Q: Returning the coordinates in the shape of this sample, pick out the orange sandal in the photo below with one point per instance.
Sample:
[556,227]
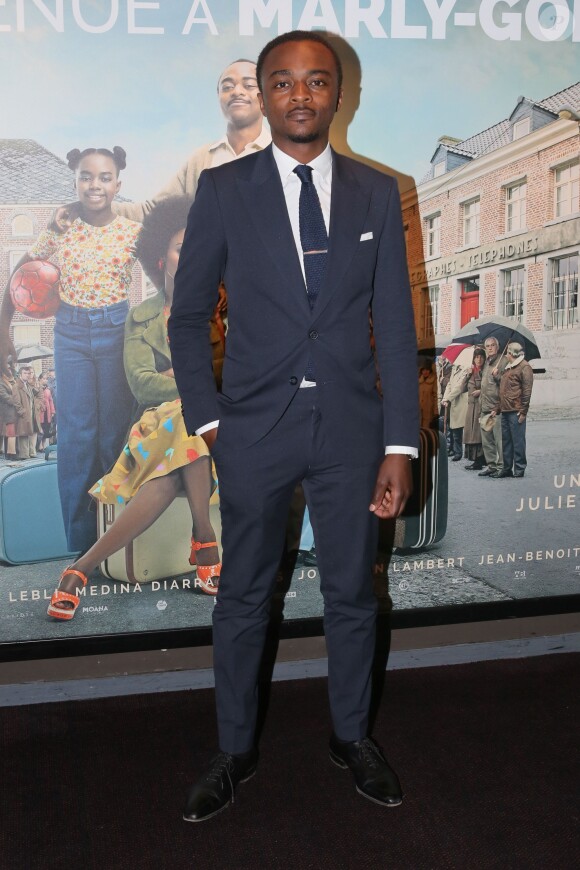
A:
[60,595]
[206,573]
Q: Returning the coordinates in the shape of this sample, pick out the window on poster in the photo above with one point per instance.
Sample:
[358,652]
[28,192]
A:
[471,222]
[563,293]
[433,235]
[515,207]
[567,189]
[14,257]
[513,293]
[22,225]
[430,311]
[521,128]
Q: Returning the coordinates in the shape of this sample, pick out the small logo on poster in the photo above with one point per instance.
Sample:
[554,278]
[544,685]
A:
[161,604]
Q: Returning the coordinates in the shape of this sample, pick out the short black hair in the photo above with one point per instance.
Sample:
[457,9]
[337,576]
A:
[231,63]
[159,227]
[297,36]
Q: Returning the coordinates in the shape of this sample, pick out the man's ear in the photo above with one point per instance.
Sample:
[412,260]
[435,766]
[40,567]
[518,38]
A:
[261,102]
[339,99]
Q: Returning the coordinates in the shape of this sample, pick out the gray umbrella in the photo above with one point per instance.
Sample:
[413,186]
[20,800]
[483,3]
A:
[29,352]
[502,328]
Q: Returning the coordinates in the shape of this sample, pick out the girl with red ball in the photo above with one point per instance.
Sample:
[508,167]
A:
[95,256]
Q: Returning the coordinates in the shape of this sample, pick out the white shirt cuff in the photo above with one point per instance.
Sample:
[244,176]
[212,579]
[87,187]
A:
[411,452]
[205,428]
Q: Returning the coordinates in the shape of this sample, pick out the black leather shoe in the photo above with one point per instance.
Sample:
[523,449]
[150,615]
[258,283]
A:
[518,473]
[215,791]
[475,466]
[374,778]
[489,472]
[505,472]
[457,458]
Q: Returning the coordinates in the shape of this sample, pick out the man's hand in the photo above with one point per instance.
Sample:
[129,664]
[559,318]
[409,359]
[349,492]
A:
[521,418]
[63,217]
[209,437]
[393,487]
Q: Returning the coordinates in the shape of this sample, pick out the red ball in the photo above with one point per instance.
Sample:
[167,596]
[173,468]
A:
[34,289]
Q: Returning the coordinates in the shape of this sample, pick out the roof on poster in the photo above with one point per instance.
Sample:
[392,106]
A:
[31,173]
[501,133]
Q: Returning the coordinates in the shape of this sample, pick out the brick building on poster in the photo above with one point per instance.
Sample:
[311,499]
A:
[33,182]
[499,233]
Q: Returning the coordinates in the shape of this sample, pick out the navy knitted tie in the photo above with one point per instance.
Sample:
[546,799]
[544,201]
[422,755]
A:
[313,235]
[314,241]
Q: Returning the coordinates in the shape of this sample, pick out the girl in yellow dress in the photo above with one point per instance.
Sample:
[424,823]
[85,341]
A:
[160,459]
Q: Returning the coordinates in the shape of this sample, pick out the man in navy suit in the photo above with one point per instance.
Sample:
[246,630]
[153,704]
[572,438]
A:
[311,247]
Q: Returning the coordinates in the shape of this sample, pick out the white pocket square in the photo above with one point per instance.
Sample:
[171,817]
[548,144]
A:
[366,236]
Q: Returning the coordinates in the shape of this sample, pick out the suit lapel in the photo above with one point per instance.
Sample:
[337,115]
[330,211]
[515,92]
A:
[348,209]
[262,191]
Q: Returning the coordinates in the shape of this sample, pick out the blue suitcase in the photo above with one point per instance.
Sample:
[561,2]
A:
[31,526]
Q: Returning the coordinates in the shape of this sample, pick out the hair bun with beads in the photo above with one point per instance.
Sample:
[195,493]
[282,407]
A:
[73,158]
[120,156]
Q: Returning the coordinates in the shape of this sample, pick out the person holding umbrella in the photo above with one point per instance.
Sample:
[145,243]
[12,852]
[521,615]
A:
[515,391]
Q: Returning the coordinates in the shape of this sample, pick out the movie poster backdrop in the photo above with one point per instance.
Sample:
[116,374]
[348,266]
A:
[474,106]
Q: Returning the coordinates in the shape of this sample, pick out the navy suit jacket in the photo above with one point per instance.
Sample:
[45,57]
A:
[239,231]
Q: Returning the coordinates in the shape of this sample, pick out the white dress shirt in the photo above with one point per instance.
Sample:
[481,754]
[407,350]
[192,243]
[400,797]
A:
[291,185]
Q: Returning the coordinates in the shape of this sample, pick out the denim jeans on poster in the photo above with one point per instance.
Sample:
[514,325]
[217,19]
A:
[94,408]
[513,436]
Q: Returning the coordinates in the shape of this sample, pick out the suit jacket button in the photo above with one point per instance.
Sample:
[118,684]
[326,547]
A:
[293,380]
[313,334]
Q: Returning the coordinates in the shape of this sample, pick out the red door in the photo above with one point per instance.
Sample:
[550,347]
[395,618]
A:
[469,299]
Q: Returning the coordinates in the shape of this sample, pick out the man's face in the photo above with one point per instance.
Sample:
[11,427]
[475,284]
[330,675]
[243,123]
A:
[300,93]
[490,349]
[238,94]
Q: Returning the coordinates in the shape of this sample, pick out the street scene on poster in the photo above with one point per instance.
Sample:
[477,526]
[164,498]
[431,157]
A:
[111,111]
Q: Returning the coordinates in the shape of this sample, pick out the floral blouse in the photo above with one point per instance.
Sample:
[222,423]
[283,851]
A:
[95,262]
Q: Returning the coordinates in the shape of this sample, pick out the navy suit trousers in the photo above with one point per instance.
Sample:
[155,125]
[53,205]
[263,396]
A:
[256,485]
